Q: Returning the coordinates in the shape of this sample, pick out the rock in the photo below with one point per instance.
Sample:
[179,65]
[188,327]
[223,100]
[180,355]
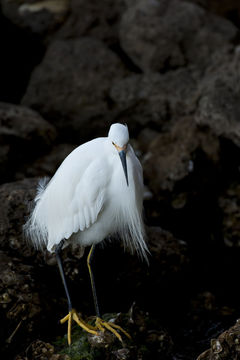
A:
[170,253]
[154,99]
[15,198]
[27,296]
[24,135]
[219,100]
[154,340]
[230,9]
[170,156]
[46,165]
[225,347]
[158,36]
[38,16]
[168,261]
[19,302]
[92,18]
[73,94]
[229,204]
[41,350]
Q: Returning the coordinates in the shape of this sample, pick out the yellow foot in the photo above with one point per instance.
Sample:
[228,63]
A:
[110,326]
[73,316]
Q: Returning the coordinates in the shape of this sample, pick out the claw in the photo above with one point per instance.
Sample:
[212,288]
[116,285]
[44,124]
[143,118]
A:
[73,316]
[102,325]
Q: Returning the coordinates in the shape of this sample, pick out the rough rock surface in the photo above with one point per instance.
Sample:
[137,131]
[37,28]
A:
[229,204]
[24,134]
[219,99]
[170,157]
[46,165]
[151,99]
[158,35]
[39,17]
[166,250]
[15,198]
[97,19]
[72,92]
[155,341]
[19,300]
[225,347]
[229,9]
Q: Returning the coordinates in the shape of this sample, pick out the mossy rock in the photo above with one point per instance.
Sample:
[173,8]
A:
[86,346]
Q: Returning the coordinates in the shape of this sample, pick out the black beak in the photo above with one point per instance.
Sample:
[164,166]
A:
[122,155]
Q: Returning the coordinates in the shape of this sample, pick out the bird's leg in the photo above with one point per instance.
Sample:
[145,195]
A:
[72,314]
[101,324]
[89,261]
[59,261]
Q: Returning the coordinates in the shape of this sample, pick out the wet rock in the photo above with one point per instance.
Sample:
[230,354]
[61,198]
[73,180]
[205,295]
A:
[154,99]
[159,36]
[73,94]
[92,18]
[24,135]
[39,16]
[226,346]
[218,105]
[229,204]
[170,156]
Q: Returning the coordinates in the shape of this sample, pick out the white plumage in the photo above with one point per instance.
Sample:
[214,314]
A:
[88,198]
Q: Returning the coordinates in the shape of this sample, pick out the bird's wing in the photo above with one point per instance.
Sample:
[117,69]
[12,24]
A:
[88,198]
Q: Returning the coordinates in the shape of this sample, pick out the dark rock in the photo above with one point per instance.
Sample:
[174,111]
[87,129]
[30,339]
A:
[230,9]
[40,17]
[19,301]
[229,204]
[157,35]
[170,253]
[225,347]
[153,339]
[219,99]
[46,165]
[41,350]
[92,18]
[170,156]
[168,261]
[73,94]
[24,135]
[153,99]
[15,198]
[21,51]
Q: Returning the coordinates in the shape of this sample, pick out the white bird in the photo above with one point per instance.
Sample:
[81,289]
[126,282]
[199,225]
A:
[96,192]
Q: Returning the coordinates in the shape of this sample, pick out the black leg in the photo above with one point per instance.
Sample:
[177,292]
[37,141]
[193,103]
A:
[89,261]
[59,261]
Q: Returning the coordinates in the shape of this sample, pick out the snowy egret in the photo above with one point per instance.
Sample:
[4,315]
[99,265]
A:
[92,196]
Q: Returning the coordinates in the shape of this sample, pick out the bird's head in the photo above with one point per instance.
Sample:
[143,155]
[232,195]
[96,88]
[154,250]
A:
[119,137]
